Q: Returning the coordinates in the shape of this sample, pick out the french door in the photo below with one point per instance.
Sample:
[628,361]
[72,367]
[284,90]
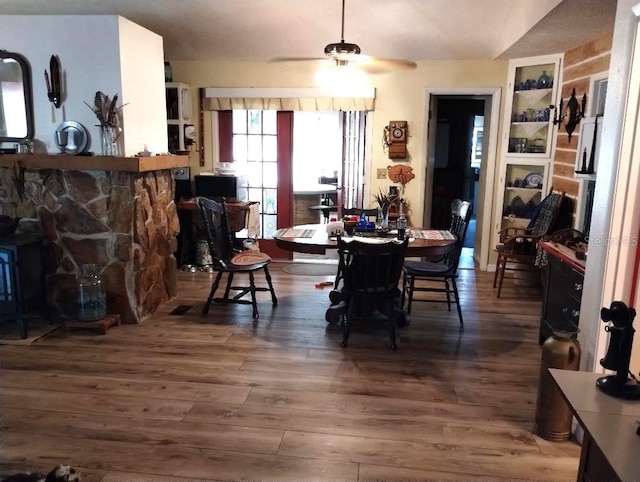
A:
[351,187]
[261,145]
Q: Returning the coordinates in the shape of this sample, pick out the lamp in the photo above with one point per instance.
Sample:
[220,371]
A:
[336,76]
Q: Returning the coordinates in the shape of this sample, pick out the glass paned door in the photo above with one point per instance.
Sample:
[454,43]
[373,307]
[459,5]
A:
[261,150]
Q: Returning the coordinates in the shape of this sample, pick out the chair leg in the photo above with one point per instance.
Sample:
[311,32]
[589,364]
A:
[495,275]
[412,282]
[457,299]
[503,267]
[346,325]
[228,288]
[214,287]
[274,300]
[252,289]
[447,291]
[391,316]
[403,294]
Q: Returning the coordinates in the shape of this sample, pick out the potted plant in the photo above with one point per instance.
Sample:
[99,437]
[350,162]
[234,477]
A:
[385,202]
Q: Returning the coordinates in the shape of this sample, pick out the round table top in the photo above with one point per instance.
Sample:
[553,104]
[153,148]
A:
[313,239]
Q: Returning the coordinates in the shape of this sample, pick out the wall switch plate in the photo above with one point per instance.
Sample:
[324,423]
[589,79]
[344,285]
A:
[382,173]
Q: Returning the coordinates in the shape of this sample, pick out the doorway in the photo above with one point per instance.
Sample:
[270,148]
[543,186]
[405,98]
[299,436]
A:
[461,159]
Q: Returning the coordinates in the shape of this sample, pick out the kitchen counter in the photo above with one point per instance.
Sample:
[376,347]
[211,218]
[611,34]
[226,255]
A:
[611,448]
[314,189]
[308,205]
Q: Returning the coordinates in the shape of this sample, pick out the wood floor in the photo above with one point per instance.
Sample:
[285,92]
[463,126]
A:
[186,397]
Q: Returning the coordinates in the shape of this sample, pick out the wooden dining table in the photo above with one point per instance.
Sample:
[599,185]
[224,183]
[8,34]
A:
[314,239]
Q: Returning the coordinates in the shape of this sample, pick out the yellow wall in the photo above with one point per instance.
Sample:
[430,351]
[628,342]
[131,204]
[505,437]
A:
[400,95]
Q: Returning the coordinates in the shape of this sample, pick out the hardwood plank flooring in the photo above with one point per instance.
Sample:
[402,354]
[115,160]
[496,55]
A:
[181,398]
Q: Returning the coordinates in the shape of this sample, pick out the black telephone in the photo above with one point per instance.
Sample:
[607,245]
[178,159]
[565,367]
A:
[618,356]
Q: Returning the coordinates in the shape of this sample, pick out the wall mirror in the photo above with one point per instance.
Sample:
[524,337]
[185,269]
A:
[16,101]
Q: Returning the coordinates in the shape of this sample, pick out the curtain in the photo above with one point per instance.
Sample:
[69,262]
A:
[289,99]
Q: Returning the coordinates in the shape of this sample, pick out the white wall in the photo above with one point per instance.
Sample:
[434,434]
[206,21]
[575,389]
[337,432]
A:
[608,273]
[96,52]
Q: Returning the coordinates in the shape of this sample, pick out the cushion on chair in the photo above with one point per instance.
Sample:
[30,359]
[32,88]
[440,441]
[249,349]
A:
[427,268]
[250,257]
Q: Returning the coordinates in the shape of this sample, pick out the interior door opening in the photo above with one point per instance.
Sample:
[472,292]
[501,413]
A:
[461,161]
[458,159]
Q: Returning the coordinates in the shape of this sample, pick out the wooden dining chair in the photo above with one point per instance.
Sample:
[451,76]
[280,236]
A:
[229,261]
[371,273]
[443,270]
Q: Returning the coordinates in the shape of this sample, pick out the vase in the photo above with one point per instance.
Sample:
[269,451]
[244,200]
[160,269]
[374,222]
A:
[91,294]
[553,416]
[109,140]
[544,81]
[382,220]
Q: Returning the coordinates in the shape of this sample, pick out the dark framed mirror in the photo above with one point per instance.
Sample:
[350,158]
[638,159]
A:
[16,100]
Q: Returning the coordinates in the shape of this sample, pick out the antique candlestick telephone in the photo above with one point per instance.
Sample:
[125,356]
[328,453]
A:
[618,356]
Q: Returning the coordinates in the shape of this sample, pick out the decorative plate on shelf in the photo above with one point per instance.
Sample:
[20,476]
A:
[533,179]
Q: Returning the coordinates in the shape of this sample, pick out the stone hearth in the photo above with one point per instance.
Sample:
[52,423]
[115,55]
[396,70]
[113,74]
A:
[126,222]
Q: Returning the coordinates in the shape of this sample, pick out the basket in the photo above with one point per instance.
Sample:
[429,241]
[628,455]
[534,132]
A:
[237,215]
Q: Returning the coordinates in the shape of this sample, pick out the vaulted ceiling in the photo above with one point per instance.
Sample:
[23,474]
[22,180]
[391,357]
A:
[408,29]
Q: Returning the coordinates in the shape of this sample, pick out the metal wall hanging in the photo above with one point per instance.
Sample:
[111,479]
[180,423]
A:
[53,79]
[575,111]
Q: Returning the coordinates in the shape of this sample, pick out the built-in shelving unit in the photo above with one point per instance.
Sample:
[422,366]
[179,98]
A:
[528,141]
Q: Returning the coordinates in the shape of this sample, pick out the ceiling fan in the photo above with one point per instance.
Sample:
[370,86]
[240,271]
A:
[345,53]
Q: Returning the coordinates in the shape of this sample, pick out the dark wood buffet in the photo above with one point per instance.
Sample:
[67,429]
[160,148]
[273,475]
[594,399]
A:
[562,289]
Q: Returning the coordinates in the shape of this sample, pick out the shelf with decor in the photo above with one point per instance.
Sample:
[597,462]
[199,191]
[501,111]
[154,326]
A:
[527,145]
[530,110]
[180,130]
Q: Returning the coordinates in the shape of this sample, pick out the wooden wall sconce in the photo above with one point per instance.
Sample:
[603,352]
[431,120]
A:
[575,111]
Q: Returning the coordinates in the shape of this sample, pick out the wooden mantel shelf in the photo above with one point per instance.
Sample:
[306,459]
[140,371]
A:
[94,163]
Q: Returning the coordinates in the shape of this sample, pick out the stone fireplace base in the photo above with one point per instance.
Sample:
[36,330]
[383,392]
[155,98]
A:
[125,221]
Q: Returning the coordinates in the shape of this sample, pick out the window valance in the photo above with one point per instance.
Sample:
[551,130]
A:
[289,99]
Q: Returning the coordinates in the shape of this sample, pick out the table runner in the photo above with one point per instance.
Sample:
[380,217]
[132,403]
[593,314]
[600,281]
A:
[298,233]
[432,234]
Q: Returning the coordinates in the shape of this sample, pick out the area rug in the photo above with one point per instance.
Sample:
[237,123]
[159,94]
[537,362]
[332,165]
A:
[311,269]
[37,329]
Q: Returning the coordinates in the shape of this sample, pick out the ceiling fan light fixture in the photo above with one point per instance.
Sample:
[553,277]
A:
[341,48]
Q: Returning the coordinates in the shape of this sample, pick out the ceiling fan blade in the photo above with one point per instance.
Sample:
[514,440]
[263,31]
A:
[380,66]
[297,59]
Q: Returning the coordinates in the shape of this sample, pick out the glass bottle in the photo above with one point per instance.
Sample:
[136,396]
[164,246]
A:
[91,296]
[401,224]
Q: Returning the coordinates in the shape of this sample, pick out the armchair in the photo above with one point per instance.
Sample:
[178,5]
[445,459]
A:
[518,247]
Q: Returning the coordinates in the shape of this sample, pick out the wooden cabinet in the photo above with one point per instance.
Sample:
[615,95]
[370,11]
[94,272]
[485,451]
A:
[528,136]
[562,294]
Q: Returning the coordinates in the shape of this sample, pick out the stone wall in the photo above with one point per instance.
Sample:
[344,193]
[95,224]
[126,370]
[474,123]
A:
[126,222]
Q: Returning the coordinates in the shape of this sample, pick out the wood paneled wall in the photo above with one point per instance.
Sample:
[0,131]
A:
[579,65]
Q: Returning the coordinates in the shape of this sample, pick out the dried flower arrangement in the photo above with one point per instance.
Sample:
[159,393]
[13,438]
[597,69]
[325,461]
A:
[384,199]
[105,109]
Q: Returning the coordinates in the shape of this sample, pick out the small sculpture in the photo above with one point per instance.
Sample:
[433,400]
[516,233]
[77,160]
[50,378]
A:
[400,173]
